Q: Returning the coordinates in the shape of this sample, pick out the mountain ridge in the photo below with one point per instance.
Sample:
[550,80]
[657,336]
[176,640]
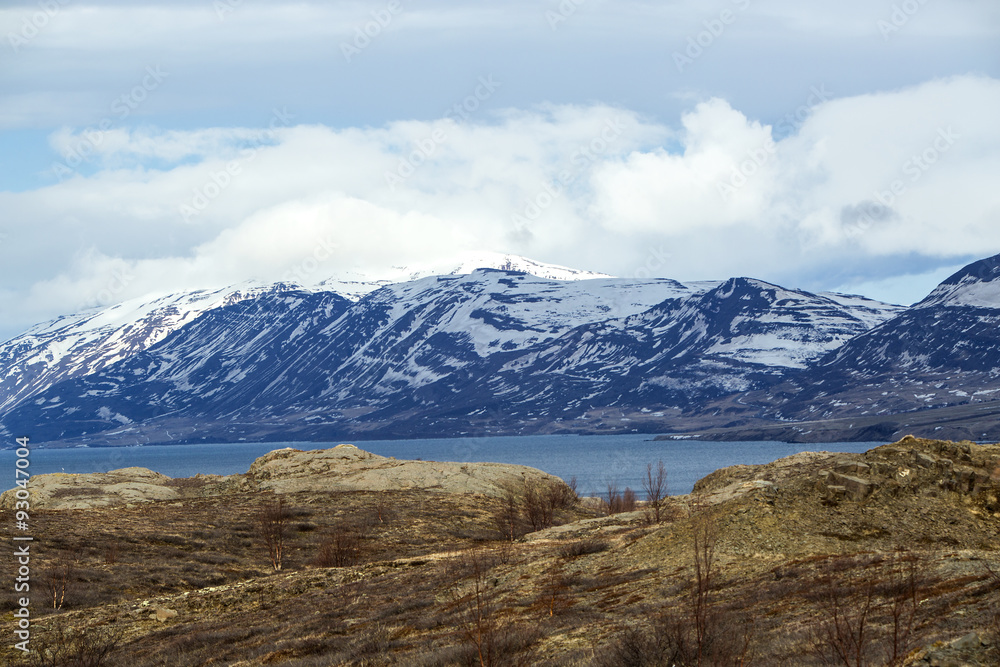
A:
[498,351]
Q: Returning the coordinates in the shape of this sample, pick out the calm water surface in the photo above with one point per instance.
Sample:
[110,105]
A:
[594,460]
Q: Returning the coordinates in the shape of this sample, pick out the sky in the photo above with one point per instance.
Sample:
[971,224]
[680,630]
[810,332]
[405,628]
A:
[148,147]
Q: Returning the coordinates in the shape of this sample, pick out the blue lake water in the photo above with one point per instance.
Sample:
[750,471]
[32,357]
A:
[594,460]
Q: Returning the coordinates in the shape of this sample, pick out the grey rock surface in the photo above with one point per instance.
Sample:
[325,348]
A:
[342,468]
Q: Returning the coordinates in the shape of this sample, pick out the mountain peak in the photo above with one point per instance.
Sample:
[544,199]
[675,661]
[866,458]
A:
[977,286]
[355,284]
[506,262]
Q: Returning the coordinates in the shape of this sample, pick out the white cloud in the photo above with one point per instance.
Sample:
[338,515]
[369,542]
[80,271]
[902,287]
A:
[587,186]
[919,161]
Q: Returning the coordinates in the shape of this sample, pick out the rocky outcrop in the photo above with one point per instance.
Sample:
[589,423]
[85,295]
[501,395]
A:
[100,489]
[342,468]
[845,482]
[915,466]
[911,466]
[346,468]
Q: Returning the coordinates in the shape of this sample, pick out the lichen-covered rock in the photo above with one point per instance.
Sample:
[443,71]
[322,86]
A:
[855,488]
[345,468]
[163,614]
[342,468]
[99,489]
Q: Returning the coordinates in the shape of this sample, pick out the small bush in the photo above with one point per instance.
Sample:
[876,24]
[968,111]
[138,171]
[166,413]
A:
[61,646]
[112,550]
[340,548]
[617,502]
[271,524]
[583,547]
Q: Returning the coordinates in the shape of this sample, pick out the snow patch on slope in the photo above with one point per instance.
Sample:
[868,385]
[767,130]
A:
[354,284]
[90,341]
[970,291]
[503,311]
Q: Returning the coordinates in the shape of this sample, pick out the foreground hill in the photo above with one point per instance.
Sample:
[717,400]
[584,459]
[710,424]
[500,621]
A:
[907,533]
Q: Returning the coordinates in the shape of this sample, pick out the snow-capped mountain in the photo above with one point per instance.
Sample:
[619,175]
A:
[499,350]
[975,286]
[436,356]
[742,334]
[87,342]
[90,341]
[306,348]
[353,284]
[944,351]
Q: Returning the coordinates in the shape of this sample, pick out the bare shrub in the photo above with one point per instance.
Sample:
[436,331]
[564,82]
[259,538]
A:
[655,487]
[507,517]
[504,552]
[616,501]
[629,500]
[635,647]
[382,509]
[111,551]
[541,501]
[704,537]
[481,622]
[868,610]
[994,620]
[58,580]
[562,495]
[843,633]
[272,528]
[672,640]
[538,508]
[901,590]
[555,590]
[612,500]
[583,548]
[340,548]
[529,507]
[572,486]
[699,632]
[490,637]
[61,646]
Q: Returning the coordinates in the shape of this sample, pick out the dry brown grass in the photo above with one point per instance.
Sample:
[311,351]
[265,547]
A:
[421,578]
